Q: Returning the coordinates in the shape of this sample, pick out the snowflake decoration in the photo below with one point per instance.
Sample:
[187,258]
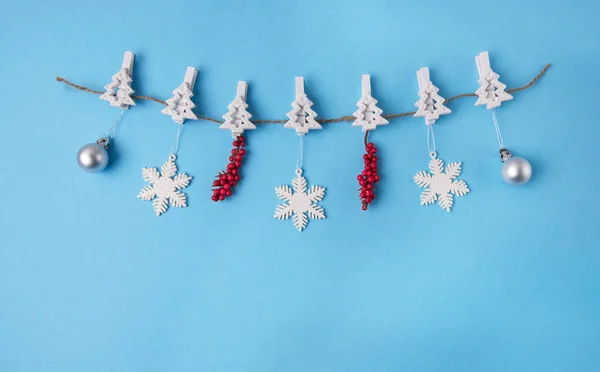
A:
[439,183]
[164,186]
[300,202]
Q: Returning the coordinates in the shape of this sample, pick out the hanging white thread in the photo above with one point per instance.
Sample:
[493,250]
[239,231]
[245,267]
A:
[110,134]
[175,146]
[498,133]
[301,155]
[430,139]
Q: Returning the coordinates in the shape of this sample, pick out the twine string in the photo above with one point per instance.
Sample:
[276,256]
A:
[346,118]
[497,127]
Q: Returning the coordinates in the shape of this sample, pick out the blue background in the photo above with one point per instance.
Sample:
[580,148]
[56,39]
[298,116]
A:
[92,280]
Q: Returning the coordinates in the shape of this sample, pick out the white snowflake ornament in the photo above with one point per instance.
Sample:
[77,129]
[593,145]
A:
[164,186]
[301,202]
[441,186]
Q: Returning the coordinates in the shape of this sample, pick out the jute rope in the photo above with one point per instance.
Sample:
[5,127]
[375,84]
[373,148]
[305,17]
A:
[346,118]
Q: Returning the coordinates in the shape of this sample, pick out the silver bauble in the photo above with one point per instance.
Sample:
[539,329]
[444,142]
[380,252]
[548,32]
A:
[93,157]
[516,171]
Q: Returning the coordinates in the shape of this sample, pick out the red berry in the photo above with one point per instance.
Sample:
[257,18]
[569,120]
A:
[238,157]
[373,196]
[374,158]
[242,151]
[362,182]
[369,200]
[222,190]
[236,178]
[238,164]
[226,186]
[373,150]
[214,198]
[369,173]
[216,183]
[364,207]
[371,179]
[222,197]
[241,138]
[234,171]
[234,151]
[369,186]
[376,177]
[368,193]
[364,173]
[359,177]
[242,144]
[236,143]
[229,193]
[362,195]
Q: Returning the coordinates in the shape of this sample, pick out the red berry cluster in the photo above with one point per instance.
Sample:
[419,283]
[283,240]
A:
[369,176]
[226,180]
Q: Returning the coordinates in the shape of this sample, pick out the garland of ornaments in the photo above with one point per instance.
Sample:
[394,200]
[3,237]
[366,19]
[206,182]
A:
[299,202]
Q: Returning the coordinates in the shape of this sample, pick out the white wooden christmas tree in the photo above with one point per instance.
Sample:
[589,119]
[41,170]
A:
[368,114]
[491,91]
[118,91]
[237,119]
[430,104]
[180,106]
[302,117]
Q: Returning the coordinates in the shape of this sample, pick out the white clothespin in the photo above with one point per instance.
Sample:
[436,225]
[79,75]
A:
[368,116]
[491,91]
[128,62]
[118,92]
[366,85]
[237,119]
[242,90]
[430,104]
[302,117]
[180,106]
[190,77]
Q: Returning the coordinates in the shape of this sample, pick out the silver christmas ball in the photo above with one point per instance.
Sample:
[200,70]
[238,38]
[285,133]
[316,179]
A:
[516,171]
[93,157]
